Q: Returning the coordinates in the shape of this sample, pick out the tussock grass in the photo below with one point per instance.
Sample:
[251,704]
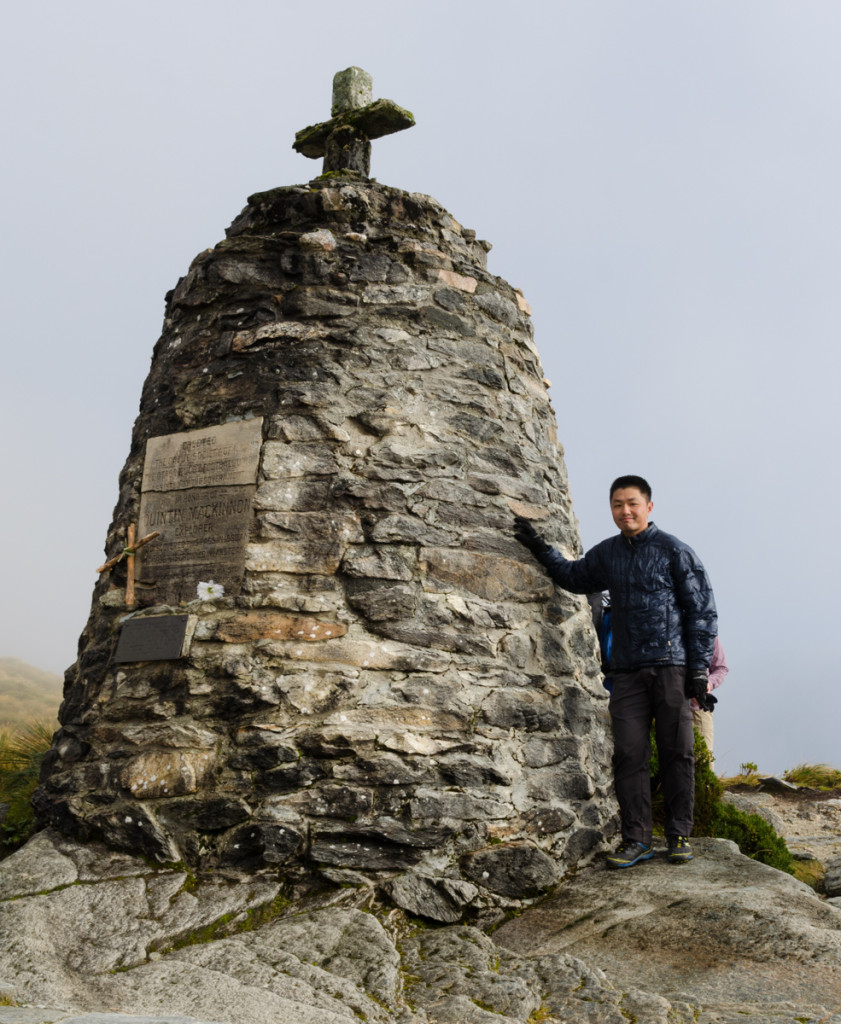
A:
[815,776]
[21,749]
[21,752]
[731,781]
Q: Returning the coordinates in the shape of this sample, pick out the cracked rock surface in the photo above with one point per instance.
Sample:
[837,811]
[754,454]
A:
[92,937]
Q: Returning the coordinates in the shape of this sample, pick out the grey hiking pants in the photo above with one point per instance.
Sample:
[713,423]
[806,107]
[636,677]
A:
[637,698]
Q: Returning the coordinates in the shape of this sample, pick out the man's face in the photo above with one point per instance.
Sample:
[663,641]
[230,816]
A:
[630,510]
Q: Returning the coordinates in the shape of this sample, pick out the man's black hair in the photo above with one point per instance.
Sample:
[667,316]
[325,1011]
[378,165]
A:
[631,481]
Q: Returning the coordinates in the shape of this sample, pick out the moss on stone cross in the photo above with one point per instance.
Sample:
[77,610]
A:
[345,140]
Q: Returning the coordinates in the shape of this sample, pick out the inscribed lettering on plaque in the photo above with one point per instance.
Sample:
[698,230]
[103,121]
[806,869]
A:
[198,491]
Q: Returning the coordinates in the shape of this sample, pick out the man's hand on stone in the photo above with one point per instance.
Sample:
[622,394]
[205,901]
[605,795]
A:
[529,537]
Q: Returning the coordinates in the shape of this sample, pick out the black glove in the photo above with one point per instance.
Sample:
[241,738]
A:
[707,702]
[530,538]
[696,688]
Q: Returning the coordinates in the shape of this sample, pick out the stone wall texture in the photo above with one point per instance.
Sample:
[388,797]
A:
[396,690]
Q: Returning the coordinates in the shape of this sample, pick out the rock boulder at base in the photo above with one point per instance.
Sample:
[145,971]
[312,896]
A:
[717,941]
[720,929]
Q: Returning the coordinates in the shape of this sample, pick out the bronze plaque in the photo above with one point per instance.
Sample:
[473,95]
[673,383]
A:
[159,638]
[198,492]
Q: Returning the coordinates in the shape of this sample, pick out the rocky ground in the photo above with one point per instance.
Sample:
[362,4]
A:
[88,936]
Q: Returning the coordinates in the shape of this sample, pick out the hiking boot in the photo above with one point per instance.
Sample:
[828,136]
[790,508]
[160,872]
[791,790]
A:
[629,853]
[679,850]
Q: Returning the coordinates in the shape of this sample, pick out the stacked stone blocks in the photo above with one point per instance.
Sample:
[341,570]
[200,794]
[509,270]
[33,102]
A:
[396,691]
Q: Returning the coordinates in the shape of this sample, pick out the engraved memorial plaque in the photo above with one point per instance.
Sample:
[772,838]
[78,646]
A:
[198,491]
[159,638]
[226,454]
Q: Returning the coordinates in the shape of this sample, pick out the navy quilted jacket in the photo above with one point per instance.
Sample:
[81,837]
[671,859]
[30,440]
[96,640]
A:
[660,596]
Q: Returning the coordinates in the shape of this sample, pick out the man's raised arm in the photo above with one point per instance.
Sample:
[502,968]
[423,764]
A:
[581,576]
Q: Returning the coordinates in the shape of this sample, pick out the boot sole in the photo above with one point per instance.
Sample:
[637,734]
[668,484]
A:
[630,863]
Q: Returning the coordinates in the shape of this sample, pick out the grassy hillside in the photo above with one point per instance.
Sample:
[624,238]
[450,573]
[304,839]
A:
[27,694]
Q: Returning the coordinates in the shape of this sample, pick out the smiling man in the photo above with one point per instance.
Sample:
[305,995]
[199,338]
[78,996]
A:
[664,629]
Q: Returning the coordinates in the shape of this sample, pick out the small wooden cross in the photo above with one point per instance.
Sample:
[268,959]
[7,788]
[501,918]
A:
[129,551]
[345,140]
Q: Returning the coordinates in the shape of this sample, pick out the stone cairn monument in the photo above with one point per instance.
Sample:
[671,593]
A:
[316,647]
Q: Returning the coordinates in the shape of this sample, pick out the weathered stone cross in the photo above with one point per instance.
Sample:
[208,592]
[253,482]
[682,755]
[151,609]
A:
[345,140]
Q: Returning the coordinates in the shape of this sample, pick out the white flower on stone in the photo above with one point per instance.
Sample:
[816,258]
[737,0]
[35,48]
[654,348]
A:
[210,590]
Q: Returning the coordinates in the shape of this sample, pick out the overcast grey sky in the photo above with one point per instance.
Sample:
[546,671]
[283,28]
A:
[661,179]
